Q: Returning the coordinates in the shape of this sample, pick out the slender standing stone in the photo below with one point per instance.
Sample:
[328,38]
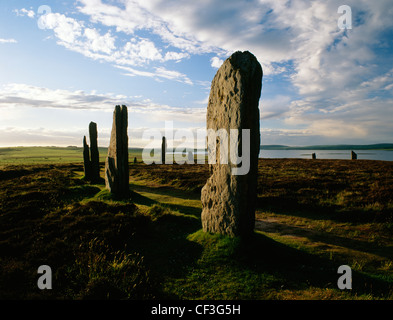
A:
[163,150]
[94,154]
[116,164]
[354,156]
[86,159]
[314,156]
[228,200]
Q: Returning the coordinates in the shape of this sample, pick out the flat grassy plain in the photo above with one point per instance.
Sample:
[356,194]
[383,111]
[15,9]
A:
[50,155]
[312,217]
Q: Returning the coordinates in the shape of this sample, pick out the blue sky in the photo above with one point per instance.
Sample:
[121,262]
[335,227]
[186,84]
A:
[66,63]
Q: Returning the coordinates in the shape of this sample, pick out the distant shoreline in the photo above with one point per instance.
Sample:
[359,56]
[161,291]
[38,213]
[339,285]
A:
[38,155]
[377,146]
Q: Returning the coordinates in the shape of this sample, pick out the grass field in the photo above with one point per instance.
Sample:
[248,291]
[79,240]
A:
[50,155]
[312,217]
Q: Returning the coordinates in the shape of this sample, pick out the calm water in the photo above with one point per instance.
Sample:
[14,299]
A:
[328,154]
[322,154]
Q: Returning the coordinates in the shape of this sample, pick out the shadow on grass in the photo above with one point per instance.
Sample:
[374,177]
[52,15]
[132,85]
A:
[165,247]
[15,173]
[62,239]
[81,192]
[292,207]
[365,246]
[168,191]
[143,200]
[300,269]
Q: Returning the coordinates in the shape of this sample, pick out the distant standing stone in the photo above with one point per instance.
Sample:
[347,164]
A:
[163,150]
[86,160]
[354,156]
[94,154]
[314,156]
[116,164]
[229,201]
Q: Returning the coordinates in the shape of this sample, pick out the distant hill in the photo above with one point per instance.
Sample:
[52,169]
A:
[378,146]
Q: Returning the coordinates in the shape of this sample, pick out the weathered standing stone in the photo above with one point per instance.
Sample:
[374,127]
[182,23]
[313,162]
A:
[94,154]
[163,150]
[91,155]
[116,164]
[86,159]
[314,156]
[354,156]
[229,201]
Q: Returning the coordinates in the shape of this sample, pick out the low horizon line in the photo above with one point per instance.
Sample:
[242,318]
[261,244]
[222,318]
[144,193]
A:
[261,146]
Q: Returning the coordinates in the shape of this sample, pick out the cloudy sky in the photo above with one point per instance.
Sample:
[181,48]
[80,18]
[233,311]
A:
[66,63]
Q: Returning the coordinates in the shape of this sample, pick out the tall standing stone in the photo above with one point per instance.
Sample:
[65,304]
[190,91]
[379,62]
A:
[94,154]
[91,156]
[116,164]
[229,201]
[86,159]
[163,150]
[354,156]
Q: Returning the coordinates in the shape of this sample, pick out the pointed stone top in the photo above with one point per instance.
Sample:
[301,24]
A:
[245,61]
[121,108]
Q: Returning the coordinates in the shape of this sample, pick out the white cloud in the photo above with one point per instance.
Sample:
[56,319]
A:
[139,15]
[73,35]
[172,55]
[22,95]
[138,52]
[16,136]
[24,12]
[158,73]
[8,41]
[98,43]
[17,95]
[276,107]
[338,128]
[285,132]
[134,16]
[34,115]
[362,120]
[172,75]
[216,62]
[276,32]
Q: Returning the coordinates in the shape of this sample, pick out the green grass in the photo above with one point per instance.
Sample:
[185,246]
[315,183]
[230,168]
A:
[312,217]
[52,155]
